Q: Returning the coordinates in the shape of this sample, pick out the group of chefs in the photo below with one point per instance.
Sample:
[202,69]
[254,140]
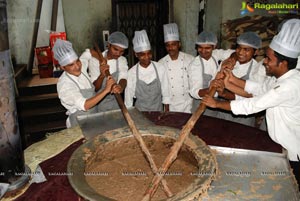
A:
[179,81]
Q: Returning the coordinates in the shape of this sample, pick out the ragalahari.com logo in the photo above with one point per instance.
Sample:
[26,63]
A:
[246,8]
[270,8]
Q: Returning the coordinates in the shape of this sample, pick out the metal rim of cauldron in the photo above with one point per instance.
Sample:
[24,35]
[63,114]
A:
[76,164]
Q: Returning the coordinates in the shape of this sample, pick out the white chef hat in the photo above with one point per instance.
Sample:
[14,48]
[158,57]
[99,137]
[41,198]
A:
[119,39]
[140,41]
[63,52]
[287,41]
[207,38]
[250,39]
[171,32]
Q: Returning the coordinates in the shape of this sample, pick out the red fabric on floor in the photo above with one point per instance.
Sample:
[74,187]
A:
[56,188]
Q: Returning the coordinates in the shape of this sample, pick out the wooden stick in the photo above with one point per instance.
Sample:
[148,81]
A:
[175,149]
[135,131]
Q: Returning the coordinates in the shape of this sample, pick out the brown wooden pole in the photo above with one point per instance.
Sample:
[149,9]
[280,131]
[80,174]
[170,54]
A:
[54,15]
[175,148]
[34,36]
[135,131]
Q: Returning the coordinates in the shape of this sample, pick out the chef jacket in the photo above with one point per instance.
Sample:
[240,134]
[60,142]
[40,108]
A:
[147,75]
[244,71]
[68,92]
[251,70]
[122,67]
[195,70]
[181,101]
[282,105]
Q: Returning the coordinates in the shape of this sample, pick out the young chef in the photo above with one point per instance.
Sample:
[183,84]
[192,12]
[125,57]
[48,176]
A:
[118,67]
[75,90]
[147,80]
[245,67]
[176,63]
[205,67]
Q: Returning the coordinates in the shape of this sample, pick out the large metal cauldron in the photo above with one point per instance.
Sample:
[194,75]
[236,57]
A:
[111,126]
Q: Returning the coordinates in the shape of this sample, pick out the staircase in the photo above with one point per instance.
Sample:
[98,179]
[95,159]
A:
[39,109]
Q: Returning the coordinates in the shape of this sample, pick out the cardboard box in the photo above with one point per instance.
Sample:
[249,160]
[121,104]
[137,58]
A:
[53,37]
[43,55]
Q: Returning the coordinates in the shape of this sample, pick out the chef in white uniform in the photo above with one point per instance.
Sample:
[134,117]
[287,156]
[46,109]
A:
[176,63]
[74,87]
[118,68]
[281,98]
[248,44]
[147,80]
[245,67]
[205,66]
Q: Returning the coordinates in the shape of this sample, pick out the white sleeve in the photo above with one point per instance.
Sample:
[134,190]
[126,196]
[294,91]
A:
[90,65]
[130,88]
[220,54]
[123,68]
[84,58]
[94,69]
[70,96]
[272,98]
[256,88]
[252,86]
[195,78]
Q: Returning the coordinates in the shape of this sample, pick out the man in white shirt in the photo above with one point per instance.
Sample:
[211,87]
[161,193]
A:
[75,90]
[205,67]
[244,67]
[280,98]
[176,63]
[147,80]
[118,68]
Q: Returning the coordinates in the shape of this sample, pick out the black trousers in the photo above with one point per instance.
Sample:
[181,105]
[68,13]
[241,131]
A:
[295,165]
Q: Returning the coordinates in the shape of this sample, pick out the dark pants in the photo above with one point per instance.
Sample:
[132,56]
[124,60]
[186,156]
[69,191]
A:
[295,165]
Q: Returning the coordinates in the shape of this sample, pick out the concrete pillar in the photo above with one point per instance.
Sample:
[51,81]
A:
[11,153]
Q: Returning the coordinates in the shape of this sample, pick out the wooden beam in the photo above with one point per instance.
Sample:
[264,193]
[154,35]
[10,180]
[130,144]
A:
[34,36]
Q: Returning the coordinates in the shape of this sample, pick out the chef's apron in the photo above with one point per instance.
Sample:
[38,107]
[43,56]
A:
[148,96]
[86,93]
[248,120]
[109,102]
[206,80]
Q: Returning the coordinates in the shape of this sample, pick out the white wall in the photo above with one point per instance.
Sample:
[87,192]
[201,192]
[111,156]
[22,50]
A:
[186,16]
[85,20]
[21,19]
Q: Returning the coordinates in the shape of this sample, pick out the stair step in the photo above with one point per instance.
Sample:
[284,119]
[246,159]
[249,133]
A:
[33,120]
[45,127]
[37,97]
[35,85]
[56,109]
[29,91]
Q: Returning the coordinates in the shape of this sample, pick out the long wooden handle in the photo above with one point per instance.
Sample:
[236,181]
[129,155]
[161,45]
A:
[175,148]
[135,131]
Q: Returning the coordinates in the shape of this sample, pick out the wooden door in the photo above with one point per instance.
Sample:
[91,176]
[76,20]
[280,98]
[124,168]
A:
[134,15]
